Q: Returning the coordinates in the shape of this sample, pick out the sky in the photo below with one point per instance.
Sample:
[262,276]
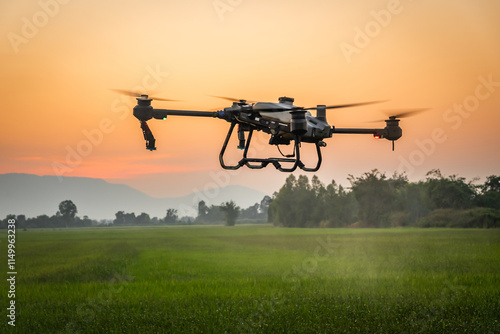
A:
[59,60]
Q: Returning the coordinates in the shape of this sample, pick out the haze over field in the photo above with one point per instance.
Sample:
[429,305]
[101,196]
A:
[59,59]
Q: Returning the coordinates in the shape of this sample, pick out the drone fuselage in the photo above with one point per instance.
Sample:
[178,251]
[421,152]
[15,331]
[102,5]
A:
[287,120]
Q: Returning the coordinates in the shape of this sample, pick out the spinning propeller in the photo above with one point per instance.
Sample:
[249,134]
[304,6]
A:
[401,113]
[293,108]
[392,130]
[232,99]
[145,100]
[138,95]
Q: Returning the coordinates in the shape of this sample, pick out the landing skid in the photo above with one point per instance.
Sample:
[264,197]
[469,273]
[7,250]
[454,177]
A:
[256,163]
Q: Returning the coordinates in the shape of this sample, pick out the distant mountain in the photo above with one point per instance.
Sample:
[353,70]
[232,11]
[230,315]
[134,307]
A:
[34,195]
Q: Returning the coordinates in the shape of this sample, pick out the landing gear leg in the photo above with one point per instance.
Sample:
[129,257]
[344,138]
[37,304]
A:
[257,163]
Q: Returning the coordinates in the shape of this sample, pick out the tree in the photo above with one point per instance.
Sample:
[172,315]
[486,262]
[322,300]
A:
[143,219]
[84,222]
[5,222]
[451,192]
[120,218]
[130,218]
[202,210]
[252,212]
[492,184]
[490,193]
[412,201]
[297,203]
[231,212]
[264,206]
[171,216]
[21,221]
[304,201]
[68,210]
[338,206]
[375,196]
[280,209]
[123,218]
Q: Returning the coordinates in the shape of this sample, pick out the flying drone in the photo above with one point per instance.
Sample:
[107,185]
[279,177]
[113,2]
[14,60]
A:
[286,124]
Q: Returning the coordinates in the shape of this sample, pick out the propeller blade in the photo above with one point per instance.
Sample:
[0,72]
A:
[401,113]
[338,106]
[350,105]
[133,93]
[232,99]
[126,92]
[163,99]
[226,98]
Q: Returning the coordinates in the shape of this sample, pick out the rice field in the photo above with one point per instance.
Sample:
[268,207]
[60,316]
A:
[254,279]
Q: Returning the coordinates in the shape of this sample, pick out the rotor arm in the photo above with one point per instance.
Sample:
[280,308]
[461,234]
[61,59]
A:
[163,113]
[375,132]
[391,132]
[143,111]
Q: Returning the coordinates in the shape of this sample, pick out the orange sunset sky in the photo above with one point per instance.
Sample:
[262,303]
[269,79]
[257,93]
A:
[60,58]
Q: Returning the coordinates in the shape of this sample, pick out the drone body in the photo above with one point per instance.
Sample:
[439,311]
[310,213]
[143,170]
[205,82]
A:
[285,123]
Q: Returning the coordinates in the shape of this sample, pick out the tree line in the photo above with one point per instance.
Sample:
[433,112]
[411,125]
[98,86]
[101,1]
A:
[64,217]
[227,213]
[375,200]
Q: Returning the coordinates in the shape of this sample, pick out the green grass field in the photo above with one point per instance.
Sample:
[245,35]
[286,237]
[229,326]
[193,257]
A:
[255,279]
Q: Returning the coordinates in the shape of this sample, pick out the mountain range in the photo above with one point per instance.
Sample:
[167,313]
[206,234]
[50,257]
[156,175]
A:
[34,195]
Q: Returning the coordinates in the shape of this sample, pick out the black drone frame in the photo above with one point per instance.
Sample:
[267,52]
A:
[302,128]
